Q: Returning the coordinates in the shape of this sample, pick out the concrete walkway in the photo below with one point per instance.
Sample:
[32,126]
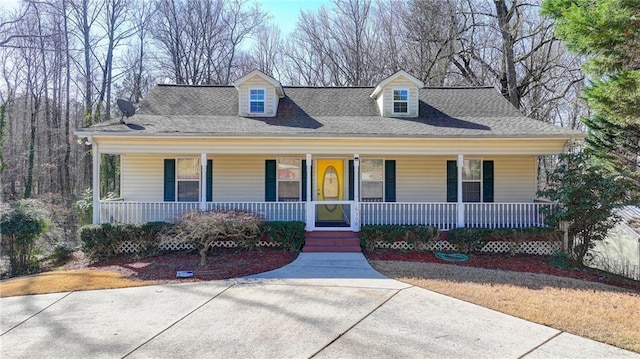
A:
[322,306]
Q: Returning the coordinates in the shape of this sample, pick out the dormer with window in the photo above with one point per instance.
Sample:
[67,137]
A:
[397,95]
[258,94]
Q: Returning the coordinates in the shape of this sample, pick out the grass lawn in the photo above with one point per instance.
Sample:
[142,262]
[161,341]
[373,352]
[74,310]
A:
[597,311]
[64,281]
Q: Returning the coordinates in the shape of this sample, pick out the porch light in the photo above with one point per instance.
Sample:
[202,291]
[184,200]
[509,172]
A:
[84,140]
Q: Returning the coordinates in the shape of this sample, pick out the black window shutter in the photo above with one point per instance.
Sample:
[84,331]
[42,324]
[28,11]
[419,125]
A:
[487,181]
[390,181]
[209,180]
[304,180]
[169,180]
[351,180]
[452,181]
[270,179]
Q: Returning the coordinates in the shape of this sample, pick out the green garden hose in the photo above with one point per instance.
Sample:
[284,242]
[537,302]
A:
[450,257]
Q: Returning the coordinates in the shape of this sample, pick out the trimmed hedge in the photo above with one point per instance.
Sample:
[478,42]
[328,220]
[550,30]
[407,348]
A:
[104,240]
[414,235]
[290,235]
[473,239]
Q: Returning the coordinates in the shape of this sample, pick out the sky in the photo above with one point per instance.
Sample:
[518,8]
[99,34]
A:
[285,12]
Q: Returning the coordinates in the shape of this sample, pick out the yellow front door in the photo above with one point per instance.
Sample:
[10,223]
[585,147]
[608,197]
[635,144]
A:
[330,187]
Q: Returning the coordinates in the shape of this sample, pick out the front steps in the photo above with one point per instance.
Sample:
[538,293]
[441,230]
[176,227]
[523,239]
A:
[332,241]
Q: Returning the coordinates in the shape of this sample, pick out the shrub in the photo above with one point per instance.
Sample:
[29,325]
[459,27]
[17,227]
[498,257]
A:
[201,229]
[84,207]
[290,235]
[416,236]
[588,195]
[22,222]
[469,239]
[60,253]
[104,240]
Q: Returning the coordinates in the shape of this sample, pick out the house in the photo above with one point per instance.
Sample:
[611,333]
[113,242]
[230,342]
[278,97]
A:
[337,158]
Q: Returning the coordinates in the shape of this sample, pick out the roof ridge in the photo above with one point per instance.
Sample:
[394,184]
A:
[456,87]
[189,85]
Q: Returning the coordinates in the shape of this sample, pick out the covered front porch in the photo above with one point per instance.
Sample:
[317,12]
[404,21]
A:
[443,216]
[328,191]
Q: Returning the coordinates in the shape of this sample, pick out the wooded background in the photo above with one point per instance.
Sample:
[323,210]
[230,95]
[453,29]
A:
[65,62]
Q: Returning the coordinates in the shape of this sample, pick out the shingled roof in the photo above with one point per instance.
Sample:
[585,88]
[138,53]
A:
[181,110]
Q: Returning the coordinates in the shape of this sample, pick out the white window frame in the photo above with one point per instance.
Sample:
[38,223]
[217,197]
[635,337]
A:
[394,101]
[473,181]
[264,100]
[278,180]
[363,180]
[199,179]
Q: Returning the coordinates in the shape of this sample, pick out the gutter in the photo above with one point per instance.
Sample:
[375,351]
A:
[80,133]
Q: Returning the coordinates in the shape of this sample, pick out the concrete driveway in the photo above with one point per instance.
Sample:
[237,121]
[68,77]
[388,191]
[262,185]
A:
[322,306]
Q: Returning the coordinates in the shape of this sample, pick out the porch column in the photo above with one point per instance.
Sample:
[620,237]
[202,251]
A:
[203,181]
[460,205]
[96,182]
[310,216]
[355,211]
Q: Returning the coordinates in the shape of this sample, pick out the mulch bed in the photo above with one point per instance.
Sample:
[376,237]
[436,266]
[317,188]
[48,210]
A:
[518,263]
[231,263]
[222,264]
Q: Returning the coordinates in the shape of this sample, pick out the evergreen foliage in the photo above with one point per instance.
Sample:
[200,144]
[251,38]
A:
[587,195]
[608,33]
[22,223]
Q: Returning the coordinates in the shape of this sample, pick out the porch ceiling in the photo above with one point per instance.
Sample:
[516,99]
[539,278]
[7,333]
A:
[330,146]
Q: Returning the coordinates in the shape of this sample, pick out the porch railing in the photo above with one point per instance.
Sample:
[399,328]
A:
[506,215]
[140,212]
[270,211]
[440,215]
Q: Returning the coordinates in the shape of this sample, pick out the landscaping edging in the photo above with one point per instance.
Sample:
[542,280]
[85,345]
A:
[129,247]
[499,247]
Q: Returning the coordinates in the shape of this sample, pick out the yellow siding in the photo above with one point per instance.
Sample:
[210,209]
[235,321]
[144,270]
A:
[270,100]
[238,178]
[241,178]
[514,178]
[142,177]
[387,95]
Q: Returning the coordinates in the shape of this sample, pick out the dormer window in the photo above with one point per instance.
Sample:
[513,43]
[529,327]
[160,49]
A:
[400,101]
[256,101]
[398,95]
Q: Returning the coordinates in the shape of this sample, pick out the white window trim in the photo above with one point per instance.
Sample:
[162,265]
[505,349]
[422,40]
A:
[383,178]
[264,101]
[393,101]
[475,181]
[188,180]
[278,180]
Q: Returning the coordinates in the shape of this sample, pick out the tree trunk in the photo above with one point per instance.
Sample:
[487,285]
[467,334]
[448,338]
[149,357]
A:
[508,57]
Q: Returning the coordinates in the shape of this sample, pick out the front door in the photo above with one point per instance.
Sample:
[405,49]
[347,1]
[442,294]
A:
[330,187]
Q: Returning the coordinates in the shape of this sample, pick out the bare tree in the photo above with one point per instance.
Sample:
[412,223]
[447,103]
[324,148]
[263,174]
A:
[200,39]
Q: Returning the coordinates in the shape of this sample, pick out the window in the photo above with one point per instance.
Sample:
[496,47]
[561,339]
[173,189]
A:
[400,101]
[472,181]
[372,180]
[188,179]
[289,179]
[256,101]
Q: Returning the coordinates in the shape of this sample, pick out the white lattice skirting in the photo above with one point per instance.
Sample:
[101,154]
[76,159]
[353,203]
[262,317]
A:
[133,247]
[537,248]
